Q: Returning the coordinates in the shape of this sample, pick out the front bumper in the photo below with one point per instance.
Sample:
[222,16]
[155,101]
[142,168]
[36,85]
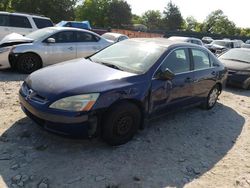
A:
[4,57]
[83,125]
[235,79]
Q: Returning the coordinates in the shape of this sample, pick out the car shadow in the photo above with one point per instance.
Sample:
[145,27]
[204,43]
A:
[11,75]
[238,91]
[171,151]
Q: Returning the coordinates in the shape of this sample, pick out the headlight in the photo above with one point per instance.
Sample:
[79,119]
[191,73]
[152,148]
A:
[4,49]
[76,103]
[243,72]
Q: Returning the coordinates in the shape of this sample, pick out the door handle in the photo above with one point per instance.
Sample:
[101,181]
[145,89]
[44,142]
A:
[213,73]
[188,80]
[70,48]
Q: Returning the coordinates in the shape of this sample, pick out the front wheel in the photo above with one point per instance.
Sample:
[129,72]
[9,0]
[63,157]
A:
[28,63]
[212,97]
[121,123]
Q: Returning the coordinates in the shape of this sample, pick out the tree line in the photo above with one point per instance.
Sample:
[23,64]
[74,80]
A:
[118,14]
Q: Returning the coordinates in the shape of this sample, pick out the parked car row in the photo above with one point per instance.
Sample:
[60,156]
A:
[110,86]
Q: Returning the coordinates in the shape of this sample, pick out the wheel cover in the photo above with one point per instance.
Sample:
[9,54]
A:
[123,125]
[28,63]
[213,97]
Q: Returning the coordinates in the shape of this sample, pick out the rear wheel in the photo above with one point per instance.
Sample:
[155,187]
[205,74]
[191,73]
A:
[246,84]
[212,97]
[121,123]
[28,63]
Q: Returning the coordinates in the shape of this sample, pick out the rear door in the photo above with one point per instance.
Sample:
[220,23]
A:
[86,44]
[20,24]
[204,73]
[63,49]
[4,25]
[175,93]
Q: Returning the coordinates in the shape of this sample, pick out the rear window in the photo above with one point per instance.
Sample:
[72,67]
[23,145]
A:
[42,23]
[19,21]
[4,20]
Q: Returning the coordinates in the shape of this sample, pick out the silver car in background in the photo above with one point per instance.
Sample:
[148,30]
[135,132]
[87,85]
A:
[48,46]
[115,37]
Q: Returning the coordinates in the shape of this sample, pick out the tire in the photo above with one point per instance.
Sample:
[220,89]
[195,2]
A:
[246,84]
[28,63]
[121,123]
[212,97]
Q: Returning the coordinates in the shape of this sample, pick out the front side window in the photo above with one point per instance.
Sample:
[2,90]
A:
[201,59]
[64,37]
[177,61]
[19,21]
[85,37]
[4,20]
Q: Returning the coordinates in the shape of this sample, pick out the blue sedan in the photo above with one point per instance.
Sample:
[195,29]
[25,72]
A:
[113,92]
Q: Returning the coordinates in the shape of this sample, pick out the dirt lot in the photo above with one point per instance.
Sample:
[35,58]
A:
[192,148]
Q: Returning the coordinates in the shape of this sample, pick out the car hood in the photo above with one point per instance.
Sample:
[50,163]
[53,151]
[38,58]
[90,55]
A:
[235,65]
[14,39]
[76,77]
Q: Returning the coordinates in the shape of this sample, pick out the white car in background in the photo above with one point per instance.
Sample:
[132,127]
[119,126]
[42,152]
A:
[187,39]
[115,37]
[48,46]
[21,23]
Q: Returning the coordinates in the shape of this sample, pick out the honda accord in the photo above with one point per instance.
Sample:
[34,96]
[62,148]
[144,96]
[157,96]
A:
[113,92]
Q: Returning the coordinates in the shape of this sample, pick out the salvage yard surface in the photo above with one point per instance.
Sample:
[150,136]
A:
[191,148]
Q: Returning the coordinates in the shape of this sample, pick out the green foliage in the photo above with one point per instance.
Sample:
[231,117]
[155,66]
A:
[105,13]
[218,23]
[57,10]
[119,13]
[5,5]
[152,19]
[172,17]
[96,11]
[136,19]
[191,23]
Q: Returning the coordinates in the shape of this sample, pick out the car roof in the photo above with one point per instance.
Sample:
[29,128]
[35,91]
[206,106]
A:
[114,34]
[183,38]
[24,14]
[71,29]
[164,42]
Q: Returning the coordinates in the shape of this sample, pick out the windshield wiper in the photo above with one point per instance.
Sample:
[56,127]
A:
[112,66]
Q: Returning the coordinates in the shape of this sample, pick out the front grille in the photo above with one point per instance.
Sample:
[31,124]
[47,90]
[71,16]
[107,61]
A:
[32,95]
[230,72]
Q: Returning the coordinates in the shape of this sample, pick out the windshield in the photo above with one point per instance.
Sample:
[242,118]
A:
[129,55]
[242,55]
[222,43]
[40,34]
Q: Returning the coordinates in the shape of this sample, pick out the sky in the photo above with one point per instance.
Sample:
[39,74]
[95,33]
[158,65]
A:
[236,10]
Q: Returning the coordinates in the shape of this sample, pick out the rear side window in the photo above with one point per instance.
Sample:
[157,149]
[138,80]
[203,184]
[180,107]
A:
[177,61]
[4,20]
[201,59]
[64,37]
[86,37]
[19,21]
[42,23]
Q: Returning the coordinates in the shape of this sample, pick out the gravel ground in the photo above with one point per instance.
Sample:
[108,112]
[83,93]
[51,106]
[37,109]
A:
[191,148]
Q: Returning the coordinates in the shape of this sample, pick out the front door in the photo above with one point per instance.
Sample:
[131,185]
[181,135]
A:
[172,94]
[63,49]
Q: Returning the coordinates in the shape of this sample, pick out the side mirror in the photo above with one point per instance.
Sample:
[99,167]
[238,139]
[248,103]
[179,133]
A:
[166,75]
[50,40]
